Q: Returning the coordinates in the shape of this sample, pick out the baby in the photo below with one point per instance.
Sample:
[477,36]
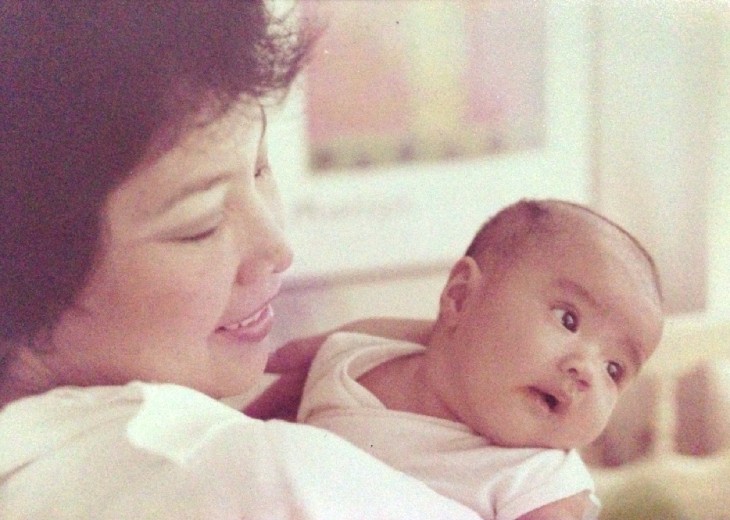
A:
[541,326]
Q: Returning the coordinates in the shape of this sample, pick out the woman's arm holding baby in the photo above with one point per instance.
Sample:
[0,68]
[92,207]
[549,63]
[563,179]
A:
[292,361]
[570,508]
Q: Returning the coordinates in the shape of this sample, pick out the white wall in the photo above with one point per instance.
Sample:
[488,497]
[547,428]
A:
[719,200]
[661,165]
[657,76]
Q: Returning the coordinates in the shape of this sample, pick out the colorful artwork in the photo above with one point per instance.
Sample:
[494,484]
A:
[405,80]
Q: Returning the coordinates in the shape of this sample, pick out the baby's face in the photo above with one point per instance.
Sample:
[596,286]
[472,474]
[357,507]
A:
[543,348]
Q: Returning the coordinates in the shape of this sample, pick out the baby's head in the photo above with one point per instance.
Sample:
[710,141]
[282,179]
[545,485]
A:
[542,325]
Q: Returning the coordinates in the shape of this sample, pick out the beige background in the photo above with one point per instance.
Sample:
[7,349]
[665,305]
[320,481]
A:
[659,148]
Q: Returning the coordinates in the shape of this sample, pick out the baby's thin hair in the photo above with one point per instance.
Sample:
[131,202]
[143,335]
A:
[506,234]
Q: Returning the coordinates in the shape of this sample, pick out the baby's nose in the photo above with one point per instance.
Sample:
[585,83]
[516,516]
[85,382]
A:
[579,370]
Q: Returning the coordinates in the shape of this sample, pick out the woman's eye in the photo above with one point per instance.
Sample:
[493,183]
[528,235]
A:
[262,170]
[199,237]
[568,319]
[615,371]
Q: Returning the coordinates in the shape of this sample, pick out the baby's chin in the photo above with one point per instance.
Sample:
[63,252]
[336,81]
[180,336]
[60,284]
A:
[568,443]
[538,434]
[545,442]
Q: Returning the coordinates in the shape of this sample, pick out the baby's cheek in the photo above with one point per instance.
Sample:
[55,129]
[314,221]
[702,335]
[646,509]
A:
[605,408]
[596,417]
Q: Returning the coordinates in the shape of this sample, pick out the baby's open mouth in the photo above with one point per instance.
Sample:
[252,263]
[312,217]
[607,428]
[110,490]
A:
[549,399]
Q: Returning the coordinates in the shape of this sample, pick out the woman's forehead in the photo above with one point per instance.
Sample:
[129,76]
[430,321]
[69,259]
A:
[230,144]
[208,126]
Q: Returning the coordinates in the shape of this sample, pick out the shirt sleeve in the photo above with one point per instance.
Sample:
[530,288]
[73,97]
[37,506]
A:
[219,464]
[543,478]
[299,472]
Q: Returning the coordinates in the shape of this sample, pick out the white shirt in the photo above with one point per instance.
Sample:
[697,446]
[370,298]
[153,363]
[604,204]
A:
[152,451]
[500,483]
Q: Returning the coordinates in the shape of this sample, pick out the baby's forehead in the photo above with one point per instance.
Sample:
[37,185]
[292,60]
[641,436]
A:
[558,231]
[595,247]
[576,229]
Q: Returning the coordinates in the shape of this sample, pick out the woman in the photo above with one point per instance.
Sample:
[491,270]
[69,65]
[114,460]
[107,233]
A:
[141,250]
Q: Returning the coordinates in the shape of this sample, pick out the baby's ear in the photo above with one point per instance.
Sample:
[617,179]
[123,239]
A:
[462,281]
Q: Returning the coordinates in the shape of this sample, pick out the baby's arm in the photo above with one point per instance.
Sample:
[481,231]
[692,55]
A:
[571,508]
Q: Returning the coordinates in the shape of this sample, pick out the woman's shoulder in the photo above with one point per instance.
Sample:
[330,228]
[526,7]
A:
[107,442]
[142,448]
[170,421]
[145,416]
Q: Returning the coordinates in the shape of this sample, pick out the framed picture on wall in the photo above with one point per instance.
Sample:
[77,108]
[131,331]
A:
[401,81]
[416,121]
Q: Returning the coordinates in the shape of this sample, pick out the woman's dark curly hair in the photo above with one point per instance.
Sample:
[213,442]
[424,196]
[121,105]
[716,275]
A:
[84,86]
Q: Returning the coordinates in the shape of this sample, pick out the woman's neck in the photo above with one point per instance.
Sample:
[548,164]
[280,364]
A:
[22,374]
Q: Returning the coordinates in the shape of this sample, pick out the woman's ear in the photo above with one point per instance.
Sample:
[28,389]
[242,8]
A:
[463,280]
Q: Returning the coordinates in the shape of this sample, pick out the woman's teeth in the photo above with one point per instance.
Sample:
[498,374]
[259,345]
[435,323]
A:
[245,323]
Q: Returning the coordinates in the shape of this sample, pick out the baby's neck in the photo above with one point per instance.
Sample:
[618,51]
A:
[403,384]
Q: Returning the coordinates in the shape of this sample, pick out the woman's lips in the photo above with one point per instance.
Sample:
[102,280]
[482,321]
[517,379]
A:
[251,329]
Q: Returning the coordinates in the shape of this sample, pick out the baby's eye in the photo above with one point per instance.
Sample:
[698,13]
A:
[568,319]
[615,371]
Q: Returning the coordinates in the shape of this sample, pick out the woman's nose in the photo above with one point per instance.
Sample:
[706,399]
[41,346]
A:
[279,250]
[265,248]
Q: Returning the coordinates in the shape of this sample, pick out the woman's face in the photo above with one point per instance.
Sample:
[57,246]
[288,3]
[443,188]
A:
[192,255]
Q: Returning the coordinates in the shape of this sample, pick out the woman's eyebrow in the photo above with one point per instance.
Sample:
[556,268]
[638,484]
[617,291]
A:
[263,126]
[206,183]
[194,187]
[263,121]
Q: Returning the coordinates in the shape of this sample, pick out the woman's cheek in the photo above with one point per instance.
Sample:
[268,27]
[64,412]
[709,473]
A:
[204,291]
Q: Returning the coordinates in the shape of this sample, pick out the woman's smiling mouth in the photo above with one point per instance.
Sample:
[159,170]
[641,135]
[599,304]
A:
[252,329]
